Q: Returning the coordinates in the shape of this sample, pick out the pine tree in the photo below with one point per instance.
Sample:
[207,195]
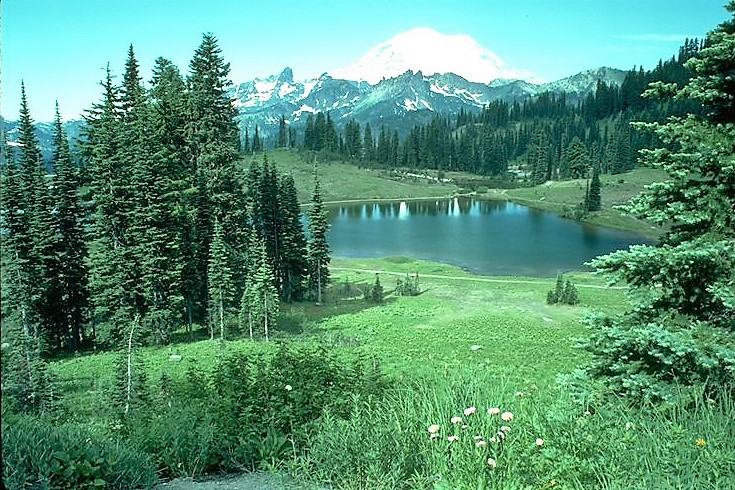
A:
[593,198]
[111,291]
[70,282]
[176,169]
[318,248]
[680,329]
[221,287]
[375,293]
[293,263]
[282,133]
[259,305]
[213,139]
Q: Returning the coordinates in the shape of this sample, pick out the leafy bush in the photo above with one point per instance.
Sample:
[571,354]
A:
[38,453]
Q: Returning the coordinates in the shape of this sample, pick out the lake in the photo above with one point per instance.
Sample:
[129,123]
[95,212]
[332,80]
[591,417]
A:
[483,237]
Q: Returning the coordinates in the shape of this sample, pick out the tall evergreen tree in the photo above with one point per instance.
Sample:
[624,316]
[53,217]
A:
[293,264]
[594,196]
[221,287]
[213,138]
[680,329]
[318,248]
[70,283]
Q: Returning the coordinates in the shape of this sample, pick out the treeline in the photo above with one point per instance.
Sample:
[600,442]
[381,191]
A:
[159,226]
[542,138]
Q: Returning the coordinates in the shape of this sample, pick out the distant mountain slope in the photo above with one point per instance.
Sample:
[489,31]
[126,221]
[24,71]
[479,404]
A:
[402,101]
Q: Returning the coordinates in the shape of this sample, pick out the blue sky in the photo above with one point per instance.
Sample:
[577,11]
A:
[60,47]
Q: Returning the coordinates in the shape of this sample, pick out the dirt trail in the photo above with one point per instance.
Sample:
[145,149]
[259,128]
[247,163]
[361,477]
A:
[242,481]
[475,279]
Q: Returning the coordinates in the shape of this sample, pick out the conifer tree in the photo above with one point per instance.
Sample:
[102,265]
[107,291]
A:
[213,140]
[282,133]
[221,287]
[70,283]
[680,328]
[594,199]
[318,248]
[293,263]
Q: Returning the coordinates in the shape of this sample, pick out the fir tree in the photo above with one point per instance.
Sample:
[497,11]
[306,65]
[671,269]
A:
[70,282]
[293,263]
[318,248]
[680,328]
[221,287]
[593,198]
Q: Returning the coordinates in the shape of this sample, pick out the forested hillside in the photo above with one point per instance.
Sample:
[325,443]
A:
[159,225]
[543,138]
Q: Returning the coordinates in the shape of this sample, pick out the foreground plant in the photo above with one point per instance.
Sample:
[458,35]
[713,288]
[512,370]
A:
[680,329]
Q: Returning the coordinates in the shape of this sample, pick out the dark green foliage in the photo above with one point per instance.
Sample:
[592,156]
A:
[37,453]
[375,293]
[250,410]
[593,199]
[408,286]
[220,282]
[318,248]
[564,293]
[680,328]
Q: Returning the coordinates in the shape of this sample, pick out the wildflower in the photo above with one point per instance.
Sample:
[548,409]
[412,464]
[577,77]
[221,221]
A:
[492,463]
[289,387]
[469,411]
[456,420]
[587,413]
[480,444]
[493,411]
[477,438]
[453,438]
[434,435]
[629,426]
[519,393]
[504,428]
[493,439]
[464,426]
[433,429]
[700,442]
[501,435]
[539,442]
[506,416]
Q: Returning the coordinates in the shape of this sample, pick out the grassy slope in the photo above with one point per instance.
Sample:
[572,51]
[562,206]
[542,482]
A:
[564,197]
[343,181]
[524,341]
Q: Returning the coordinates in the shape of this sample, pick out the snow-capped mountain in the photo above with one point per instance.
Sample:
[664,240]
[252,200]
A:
[399,102]
[399,83]
[430,52]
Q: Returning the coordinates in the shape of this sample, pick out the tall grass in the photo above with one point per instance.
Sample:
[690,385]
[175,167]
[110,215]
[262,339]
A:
[551,441]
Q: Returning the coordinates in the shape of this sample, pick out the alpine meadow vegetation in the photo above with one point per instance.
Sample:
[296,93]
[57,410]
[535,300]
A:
[171,311]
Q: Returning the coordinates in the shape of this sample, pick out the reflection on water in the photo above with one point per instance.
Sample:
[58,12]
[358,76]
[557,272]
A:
[486,237]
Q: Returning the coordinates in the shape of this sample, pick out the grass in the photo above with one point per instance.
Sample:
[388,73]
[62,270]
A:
[344,181]
[521,338]
[464,341]
[564,197]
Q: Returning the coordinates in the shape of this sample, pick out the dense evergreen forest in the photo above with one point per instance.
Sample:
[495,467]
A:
[158,227]
[543,138]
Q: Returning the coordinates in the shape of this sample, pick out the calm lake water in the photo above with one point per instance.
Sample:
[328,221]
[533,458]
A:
[484,237]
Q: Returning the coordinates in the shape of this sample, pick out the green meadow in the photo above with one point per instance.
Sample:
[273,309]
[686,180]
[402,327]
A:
[465,345]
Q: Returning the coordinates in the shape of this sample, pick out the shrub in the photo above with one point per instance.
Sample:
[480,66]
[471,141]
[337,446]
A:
[38,453]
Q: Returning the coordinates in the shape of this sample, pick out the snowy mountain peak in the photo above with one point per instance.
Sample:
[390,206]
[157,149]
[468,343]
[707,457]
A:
[431,52]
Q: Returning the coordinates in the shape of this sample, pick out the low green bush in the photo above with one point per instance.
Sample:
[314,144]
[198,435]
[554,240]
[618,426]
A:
[38,453]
